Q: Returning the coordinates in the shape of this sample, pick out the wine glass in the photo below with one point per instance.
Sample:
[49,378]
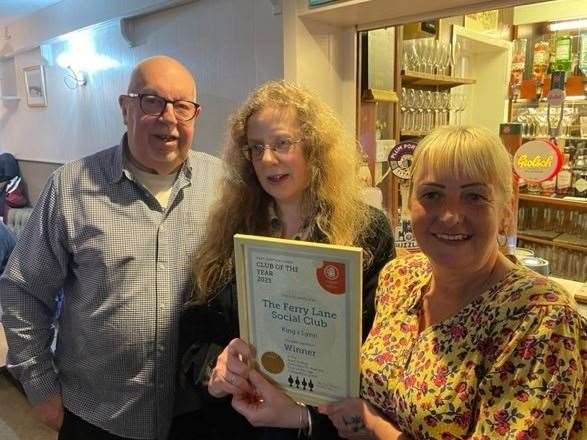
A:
[411,107]
[445,107]
[429,54]
[437,106]
[419,104]
[410,55]
[444,58]
[457,55]
[403,108]
[428,104]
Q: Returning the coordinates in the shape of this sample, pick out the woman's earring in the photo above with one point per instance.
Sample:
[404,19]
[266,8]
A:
[501,240]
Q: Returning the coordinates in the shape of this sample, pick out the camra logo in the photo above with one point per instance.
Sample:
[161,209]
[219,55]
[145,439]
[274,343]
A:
[332,277]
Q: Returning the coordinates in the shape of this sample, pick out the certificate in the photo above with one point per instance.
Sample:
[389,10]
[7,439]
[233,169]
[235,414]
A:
[300,307]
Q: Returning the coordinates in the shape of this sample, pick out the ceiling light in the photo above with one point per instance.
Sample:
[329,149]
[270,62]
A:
[564,25]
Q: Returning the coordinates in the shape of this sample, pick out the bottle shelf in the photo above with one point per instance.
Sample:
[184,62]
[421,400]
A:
[579,100]
[558,244]
[413,133]
[562,138]
[411,78]
[554,201]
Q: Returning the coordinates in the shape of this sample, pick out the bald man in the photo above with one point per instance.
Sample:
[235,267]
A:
[115,231]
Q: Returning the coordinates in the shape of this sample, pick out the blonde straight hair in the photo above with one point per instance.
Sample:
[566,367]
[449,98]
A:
[472,153]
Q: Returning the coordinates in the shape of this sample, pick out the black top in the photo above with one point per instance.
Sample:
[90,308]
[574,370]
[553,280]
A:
[206,329]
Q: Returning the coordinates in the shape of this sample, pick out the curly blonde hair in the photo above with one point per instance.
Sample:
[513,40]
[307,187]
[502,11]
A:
[333,195]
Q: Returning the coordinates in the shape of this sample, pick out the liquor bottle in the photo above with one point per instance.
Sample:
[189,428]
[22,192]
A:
[518,66]
[563,52]
[570,149]
[540,60]
[548,186]
[580,173]
[564,178]
[583,52]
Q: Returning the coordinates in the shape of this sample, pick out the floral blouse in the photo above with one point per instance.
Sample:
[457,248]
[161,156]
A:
[511,364]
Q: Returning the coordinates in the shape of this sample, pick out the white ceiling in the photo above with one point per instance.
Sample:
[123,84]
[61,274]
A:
[13,10]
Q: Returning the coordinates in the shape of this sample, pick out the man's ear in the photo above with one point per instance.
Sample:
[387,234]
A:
[123,107]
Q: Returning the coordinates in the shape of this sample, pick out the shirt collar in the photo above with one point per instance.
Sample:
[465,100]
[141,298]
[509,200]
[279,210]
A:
[118,166]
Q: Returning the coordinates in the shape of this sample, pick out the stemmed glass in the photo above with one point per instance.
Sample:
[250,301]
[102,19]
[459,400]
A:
[445,107]
[411,57]
[404,109]
[442,58]
[436,56]
[437,106]
[428,109]
[457,104]
[411,106]
[419,104]
[429,52]
[416,49]
[456,59]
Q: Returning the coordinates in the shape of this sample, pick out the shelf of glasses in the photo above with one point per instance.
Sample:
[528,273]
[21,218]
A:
[559,244]
[555,201]
[411,78]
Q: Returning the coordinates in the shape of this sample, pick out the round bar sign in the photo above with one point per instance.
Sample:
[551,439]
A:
[400,159]
[536,161]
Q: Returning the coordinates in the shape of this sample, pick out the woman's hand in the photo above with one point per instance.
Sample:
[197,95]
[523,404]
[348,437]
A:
[358,420]
[231,373]
[268,406]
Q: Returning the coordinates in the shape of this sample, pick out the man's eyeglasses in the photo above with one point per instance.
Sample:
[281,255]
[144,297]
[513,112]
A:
[154,105]
[279,147]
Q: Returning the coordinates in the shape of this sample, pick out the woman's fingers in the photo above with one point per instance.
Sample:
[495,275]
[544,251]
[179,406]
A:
[231,373]
[267,405]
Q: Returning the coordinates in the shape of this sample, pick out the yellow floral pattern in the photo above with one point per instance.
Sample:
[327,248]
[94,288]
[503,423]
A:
[511,364]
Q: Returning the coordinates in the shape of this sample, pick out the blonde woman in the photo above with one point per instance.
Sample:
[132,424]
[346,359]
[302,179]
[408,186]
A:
[291,172]
[465,343]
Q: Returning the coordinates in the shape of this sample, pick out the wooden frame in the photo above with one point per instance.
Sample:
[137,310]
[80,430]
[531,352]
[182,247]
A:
[300,307]
[34,81]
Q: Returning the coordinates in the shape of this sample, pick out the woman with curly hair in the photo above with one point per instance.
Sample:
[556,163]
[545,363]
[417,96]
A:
[291,172]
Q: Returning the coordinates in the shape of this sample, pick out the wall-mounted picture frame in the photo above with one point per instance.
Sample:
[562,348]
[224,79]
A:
[34,81]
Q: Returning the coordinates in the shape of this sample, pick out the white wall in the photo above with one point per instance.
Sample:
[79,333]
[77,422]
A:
[322,57]
[230,45]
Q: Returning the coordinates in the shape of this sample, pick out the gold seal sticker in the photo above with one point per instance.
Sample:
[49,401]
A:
[272,362]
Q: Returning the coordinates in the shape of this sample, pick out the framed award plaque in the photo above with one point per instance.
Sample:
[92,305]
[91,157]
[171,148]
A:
[300,307]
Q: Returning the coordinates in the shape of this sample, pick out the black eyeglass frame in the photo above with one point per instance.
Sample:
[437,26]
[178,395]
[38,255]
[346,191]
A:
[167,101]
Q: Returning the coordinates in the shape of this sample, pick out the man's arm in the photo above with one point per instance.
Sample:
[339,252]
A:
[35,272]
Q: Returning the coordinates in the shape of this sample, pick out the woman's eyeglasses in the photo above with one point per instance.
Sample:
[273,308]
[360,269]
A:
[154,105]
[255,151]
